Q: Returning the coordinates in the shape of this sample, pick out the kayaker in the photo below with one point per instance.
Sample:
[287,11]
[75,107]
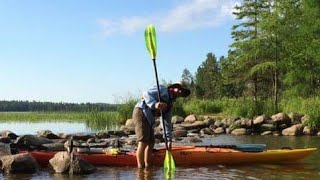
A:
[144,115]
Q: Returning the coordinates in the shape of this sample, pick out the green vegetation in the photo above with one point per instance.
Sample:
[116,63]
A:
[273,64]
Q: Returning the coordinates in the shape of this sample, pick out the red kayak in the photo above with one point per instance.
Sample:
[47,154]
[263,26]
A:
[190,156]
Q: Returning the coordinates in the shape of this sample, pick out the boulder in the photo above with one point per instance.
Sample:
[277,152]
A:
[103,135]
[180,133]
[239,131]
[177,119]
[218,123]
[295,118]
[130,123]
[246,123]
[80,166]
[308,131]
[62,163]
[209,121]
[259,120]
[266,133]
[267,127]
[32,140]
[19,163]
[219,130]
[281,118]
[191,119]
[4,149]
[294,130]
[47,134]
[206,131]
[7,133]
[54,146]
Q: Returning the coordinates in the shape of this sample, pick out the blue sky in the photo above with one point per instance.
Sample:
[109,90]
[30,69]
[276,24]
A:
[93,51]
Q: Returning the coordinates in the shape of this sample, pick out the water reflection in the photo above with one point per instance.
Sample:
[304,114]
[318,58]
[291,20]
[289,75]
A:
[144,174]
[31,127]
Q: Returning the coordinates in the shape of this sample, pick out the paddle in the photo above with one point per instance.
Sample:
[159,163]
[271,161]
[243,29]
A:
[151,43]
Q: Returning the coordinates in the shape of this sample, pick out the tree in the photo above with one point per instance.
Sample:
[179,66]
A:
[187,79]
[208,82]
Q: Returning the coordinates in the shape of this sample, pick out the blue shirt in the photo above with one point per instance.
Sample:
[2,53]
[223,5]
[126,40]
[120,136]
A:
[148,103]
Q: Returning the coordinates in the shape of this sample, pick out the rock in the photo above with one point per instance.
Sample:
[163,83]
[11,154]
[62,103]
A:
[282,127]
[266,133]
[308,131]
[80,166]
[218,123]
[206,131]
[295,118]
[180,128]
[235,125]
[82,136]
[32,140]
[260,120]
[246,123]
[117,133]
[191,126]
[54,146]
[318,134]
[200,124]
[5,140]
[195,140]
[19,163]
[47,134]
[209,121]
[64,135]
[293,130]
[103,135]
[131,142]
[219,130]
[127,130]
[60,162]
[190,119]
[281,118]
[177,119]
[7,133]
[240,131]
[267,127]
[180,133]
[4,149]
[228,121]
[130,123]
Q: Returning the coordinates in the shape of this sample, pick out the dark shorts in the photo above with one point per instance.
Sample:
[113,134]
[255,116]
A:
[144,131]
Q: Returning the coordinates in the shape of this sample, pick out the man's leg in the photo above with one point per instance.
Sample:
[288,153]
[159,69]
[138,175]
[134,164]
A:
[148,155]
[141,154]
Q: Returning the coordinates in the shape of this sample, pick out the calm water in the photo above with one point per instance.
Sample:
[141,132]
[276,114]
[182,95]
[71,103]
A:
[307,169]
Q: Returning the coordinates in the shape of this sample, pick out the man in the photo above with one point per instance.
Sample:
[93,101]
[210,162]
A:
[144,115]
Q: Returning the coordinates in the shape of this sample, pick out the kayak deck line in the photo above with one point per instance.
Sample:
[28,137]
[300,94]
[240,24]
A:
[190,156]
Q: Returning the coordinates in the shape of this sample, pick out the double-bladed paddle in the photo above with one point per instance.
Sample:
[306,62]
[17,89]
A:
[151,43]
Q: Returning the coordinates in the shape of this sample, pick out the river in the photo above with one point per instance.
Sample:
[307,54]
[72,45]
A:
[309,168]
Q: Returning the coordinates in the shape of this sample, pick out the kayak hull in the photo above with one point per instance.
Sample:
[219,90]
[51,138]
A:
[191,156]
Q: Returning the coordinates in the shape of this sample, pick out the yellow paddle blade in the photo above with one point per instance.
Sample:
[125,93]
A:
[169,165]
[151,41]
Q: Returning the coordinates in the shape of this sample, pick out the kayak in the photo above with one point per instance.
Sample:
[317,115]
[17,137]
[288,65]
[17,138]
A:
[190,156]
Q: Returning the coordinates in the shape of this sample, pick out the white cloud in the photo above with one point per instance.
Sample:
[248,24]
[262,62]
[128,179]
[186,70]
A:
[190,15]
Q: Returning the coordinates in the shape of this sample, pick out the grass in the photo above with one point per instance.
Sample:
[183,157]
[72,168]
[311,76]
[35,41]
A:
[228,107]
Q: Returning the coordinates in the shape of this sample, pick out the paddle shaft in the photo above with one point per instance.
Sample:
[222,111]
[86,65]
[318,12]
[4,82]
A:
[158,87]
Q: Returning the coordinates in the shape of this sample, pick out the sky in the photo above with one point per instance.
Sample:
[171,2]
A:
[80,51]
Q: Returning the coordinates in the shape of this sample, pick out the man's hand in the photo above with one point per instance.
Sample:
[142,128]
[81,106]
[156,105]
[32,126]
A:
[161,105]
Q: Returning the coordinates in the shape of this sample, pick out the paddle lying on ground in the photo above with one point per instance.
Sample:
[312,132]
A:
[151,43]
